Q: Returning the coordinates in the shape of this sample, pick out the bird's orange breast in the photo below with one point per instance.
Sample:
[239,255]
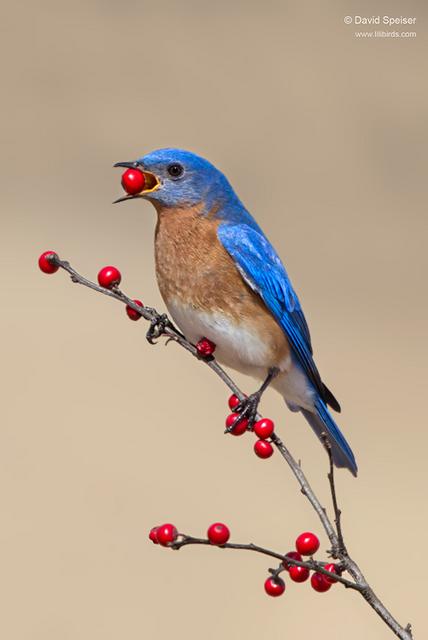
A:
[193,267]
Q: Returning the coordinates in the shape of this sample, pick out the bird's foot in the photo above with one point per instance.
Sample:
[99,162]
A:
[247,409]
[157,328]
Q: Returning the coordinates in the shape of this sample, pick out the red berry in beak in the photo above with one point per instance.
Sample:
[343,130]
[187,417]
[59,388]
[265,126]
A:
[263,449]
[218,533]
[274,587]
[133,181]
[307,544]
[109,277]
[45,263]
[205,348]
[132,314]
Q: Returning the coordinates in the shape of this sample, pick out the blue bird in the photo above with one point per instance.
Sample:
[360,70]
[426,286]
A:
[221,279]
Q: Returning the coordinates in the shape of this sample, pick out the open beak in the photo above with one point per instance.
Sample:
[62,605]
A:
[152,183]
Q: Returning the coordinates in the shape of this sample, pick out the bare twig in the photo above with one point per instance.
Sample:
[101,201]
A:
[312,565]
[337,512]
[161,326]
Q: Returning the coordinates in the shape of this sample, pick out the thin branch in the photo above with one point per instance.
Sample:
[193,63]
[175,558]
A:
[307,491]
[312,565]
[337,512]
[161,326]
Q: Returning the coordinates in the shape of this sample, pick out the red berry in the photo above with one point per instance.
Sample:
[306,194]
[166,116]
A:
[153,535]
[274,587]
[205,347]
[319,583]
[239,428]
[218,533]
[307,544]
[294,556]
[333,569]
[264,428]
[133,181]
[45,263]
[166,533]
[109,277]
[233,402]
[298,574]
[263,449]
[132,314]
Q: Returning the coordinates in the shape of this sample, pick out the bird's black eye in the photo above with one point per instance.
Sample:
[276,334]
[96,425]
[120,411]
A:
[175,170]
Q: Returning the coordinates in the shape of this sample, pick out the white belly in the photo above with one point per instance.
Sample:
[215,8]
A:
[236,345]
[242,349]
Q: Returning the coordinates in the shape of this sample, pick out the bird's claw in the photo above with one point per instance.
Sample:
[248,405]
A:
[157,328]
[247,409]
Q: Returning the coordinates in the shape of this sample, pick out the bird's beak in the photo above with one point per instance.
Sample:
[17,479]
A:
[152,182]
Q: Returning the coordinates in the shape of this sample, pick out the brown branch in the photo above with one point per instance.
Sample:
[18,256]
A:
[160,325]
[312,565]
[337,512]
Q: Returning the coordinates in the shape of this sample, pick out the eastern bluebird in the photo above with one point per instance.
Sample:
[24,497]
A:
[221,279]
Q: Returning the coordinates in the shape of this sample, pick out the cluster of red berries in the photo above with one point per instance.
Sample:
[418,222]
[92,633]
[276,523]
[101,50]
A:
[263,429]
[108,277]
[306,545]
[166,534]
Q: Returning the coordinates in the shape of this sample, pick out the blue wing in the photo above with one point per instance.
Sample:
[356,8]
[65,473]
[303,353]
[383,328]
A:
[262,269]
[264,272]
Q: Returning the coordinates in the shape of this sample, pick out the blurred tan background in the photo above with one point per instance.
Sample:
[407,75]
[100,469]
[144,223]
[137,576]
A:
[102,436]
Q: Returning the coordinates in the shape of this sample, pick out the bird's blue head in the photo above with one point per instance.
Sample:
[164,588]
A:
[177,178]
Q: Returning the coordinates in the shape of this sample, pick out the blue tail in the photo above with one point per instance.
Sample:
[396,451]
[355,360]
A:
[322,422]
